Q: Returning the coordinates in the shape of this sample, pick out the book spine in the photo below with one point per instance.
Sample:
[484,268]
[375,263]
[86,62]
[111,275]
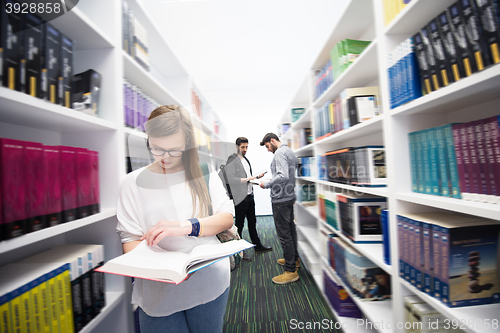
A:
[488,16]
[473,165]
[61,305]
[401,246]
[445,265]
[439,54]
[452,161]
[450,48]
[434,162]
[458,29]
[68,183]
[492,137]
[461,167]
[413,161]
[415,86]
[473,33]
[411,251]
[53,299]
[386,236]
[428,257]
[443,169]
[494,126]
[406,250]
[436,249]
[420,162]
[431,59]
[417,228]
[35,186]
[45,304]
[13,174]
[68,302]
[426,161]
[484,164]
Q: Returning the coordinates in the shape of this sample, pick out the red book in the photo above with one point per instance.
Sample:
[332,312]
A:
[94,185]
[13,189]
[53,190]
[35,186]
[83,183]
[68,183]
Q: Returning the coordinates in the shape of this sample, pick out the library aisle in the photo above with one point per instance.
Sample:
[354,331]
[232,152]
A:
[256,304]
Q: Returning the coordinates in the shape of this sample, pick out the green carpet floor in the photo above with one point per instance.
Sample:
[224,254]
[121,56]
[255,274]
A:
[258,305]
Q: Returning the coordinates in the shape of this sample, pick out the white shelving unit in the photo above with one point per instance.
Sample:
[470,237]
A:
[96,28]
[469,99]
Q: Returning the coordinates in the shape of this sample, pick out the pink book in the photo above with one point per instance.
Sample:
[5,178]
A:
[83,177]
[68,183]
[53,192]
[94,188]
[35,186]
[13,189]
[493,151]
[461,154]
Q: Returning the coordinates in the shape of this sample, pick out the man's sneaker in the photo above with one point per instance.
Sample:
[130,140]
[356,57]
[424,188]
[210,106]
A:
[286,277]
[282,262]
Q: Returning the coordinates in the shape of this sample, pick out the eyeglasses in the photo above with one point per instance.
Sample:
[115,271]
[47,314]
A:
[161,152]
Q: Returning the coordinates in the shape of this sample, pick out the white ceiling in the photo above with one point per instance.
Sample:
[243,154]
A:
[248,57]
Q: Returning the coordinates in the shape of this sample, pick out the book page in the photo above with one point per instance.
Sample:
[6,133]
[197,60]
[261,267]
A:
[213,251]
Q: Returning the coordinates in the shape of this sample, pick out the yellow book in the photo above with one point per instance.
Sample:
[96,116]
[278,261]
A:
[61,299]
[5,314]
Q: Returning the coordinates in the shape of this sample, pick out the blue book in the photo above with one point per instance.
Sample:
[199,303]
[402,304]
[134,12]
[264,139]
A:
[452,161]
[420,162]
[386,238]
[413,161]
[434,162]
[415,86]
[425,142]
[444,176]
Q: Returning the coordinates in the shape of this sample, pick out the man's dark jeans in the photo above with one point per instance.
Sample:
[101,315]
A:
[287,233]
[247,208]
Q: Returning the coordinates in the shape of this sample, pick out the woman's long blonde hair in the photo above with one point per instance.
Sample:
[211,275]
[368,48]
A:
[168,120]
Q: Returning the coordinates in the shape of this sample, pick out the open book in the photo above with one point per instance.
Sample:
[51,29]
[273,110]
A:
[155,263]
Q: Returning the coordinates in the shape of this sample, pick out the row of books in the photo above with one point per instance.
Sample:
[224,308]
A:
[134,37]
[283,129]
[53,291]
[200,108]
[458,160]
[450,256]
[306,166]
[359,274]
[39,60]
[360,166]
[392,8]
[460,41]
[43,186]
[403,71]
[342,55]
[302,138]
[137,105]
[420,317]
[351,107]
[357,216]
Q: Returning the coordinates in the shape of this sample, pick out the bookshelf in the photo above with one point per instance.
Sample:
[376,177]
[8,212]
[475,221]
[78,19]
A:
[96,28]
[471,98]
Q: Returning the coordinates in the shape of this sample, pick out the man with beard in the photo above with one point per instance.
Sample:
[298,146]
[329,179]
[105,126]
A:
[239,175]
[282,185]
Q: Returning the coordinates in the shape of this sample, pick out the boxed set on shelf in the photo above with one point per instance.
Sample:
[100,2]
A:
[351,107]
[339,298]
[459,160]
[363,278]
[460,41]
[361,166]
[359,217]
[55,290]
[342,55]
[450,256]
[43,186]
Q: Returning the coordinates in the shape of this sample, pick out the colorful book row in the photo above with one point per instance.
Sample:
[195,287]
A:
[458,160]
[43,186]
[53,291]
[352,106]
[450,256]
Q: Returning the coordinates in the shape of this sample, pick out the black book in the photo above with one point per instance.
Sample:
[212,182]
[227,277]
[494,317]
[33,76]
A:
[67,54]
[444,70]
[450,47]
[32,55]
[50,63]
[457,26]
[489,16]
[473,33]
[435,78]
[12,48]
[423,65]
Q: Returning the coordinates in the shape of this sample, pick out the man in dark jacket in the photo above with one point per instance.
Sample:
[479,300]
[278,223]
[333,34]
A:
[239,175]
